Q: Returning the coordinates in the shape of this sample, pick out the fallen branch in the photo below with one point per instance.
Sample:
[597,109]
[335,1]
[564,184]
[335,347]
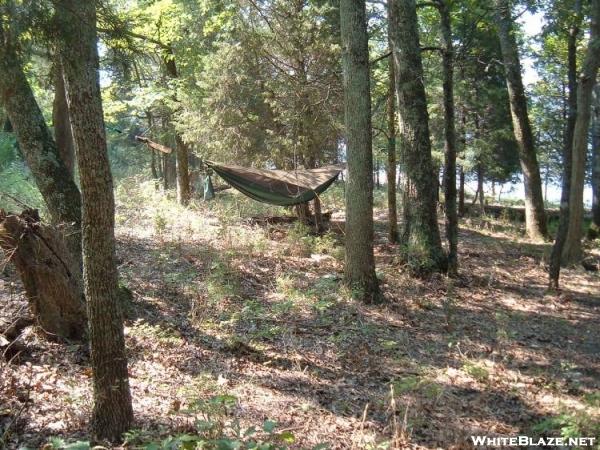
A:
[154,145]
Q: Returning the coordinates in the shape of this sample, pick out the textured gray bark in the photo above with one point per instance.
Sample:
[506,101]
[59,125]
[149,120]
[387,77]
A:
[449,138]
[181,149]
[61,121]
[391,157]
[595,227]
[571,116]
[421,233]
[534,200]
[360,261]
[49,272]
[112,412]
[572,251]
[59,191]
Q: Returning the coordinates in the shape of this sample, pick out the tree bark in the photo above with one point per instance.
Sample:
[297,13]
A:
[449,138]
[571,116]
[360,260]
[51,175]
[112,412]
[391,157]
[461,192]
[573,251]
[595,226]
[534,200]
[480,188]
[424,248]
[61,121]
[49,272]
[181,149]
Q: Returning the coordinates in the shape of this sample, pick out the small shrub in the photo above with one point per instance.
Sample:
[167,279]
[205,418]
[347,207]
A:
[476,371]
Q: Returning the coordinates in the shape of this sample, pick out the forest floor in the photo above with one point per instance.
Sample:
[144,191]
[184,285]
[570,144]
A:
[229,321]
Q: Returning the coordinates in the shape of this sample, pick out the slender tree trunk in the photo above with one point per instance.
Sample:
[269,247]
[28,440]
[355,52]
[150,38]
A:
[449,138]
[181,149]
[112,412]
[480,188]
[360,261]
[461,192]
[153,165]
[51,175]
[424,251]
[391,158]
[570,116]
[595,226]
[535,215]
[318,214]
[182,171]
[573,251]
[165,171]
[61,121]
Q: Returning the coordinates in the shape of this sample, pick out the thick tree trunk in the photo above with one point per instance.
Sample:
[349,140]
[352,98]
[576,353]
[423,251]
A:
[572,251]
[424,247]
[595,226]
[51,175]
[449,139]
[360,261]
[570,116]
[49,272]
[112,411]
[391,158]
[61,121]
[534,201]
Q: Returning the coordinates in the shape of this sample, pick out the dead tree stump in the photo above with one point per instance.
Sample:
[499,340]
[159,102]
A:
[50,274]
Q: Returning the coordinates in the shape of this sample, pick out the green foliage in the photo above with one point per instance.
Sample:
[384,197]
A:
[215,431]
[476,371]
[223,280]
[569,425]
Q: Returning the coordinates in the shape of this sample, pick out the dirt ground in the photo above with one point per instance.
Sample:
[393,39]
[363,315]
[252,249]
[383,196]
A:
[255,317]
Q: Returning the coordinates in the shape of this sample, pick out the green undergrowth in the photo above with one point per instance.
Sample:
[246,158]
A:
[214,428]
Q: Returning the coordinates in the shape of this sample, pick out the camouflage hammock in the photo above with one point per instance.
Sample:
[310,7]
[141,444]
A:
[278,187]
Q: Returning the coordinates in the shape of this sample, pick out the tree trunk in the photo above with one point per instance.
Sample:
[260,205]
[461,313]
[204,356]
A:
[61,121]
[595,226]
[424,247]
[571,116]
[360,261]
[572,251]
[303,213]
[449,139]
[49,272]
[391,158]
[181,149]
[182,171]
[480,188]
[51,175]
[461,192]
[534,201]
[112,411]
[318,214]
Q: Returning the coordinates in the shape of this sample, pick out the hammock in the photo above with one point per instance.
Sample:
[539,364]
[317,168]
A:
[278,187]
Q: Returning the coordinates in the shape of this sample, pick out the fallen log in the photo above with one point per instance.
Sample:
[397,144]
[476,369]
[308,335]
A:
[515,213]
[50,274]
